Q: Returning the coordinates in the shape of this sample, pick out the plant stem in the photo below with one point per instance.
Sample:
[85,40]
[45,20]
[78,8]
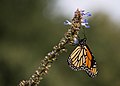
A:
[45,64]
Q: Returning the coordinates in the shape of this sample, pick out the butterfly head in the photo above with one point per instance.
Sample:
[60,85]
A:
[79,41]
[83,41]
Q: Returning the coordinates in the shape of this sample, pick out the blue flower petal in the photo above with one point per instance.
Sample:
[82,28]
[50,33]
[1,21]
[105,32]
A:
[82,13]
[67,22]
[85,21]
[87,26]
[88,14]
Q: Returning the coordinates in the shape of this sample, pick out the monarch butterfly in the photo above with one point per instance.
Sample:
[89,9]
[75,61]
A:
[82,59]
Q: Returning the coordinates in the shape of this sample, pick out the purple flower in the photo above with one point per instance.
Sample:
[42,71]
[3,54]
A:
[84,21]
[88,14]
[67,22]
[85,24]
[82,12]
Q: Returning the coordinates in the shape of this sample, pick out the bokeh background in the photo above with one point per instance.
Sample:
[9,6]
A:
[30,28]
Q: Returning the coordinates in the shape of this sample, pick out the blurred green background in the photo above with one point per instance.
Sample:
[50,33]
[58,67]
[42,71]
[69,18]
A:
[27,34]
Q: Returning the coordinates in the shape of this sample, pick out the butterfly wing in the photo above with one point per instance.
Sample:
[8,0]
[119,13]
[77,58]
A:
[82,59]
[90,63]
[77,59]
